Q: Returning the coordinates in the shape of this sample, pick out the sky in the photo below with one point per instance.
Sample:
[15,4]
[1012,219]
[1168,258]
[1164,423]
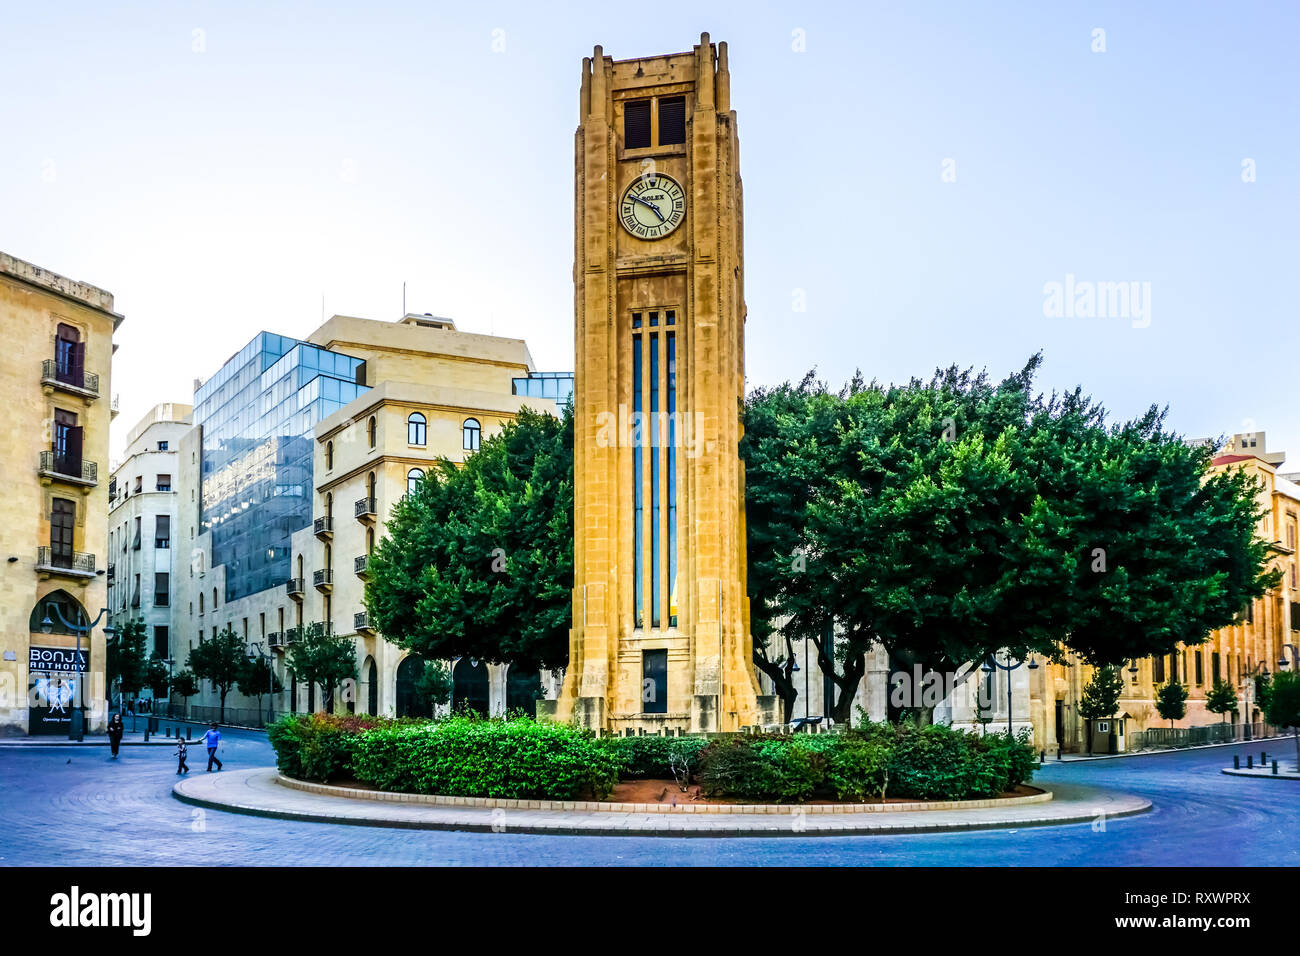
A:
[926,184]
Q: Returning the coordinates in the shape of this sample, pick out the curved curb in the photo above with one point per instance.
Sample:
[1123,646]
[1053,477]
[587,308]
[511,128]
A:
[257,796]
[604,806]
[1257,775]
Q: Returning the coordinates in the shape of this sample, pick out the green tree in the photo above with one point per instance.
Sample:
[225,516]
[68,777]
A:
[1100,697]
[434,685]
[186,685]
[1171,701]
[1222,698]
[1263,689]
[325,660]
[478,560]
[258,678]
[221,660]
[127,660]
[157,678]
[944,520]
[1283,707]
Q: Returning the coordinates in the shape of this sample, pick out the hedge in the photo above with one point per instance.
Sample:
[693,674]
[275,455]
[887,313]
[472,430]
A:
[470,757]
[520,758]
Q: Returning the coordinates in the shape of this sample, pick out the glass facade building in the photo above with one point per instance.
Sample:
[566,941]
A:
[257,414]
[557,386]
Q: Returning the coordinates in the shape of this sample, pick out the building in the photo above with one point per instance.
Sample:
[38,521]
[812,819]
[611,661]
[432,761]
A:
[1236,653]
[437,392]
[660,636]
[299,450]
[142,501]
[55,372]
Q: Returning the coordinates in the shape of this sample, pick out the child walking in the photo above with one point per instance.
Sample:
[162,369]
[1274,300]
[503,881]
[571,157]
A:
[181,752]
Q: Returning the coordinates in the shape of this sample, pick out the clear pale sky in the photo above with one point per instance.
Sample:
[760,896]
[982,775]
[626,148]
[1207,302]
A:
[336,150]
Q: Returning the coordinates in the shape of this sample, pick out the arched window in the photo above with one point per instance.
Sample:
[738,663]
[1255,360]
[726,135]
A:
[370,541]
[413,479]
[415,429]
[372,430]
[472,432]
[329,504]
[200,602]
[329,557]
[370,485]
[214,599]
[329,455]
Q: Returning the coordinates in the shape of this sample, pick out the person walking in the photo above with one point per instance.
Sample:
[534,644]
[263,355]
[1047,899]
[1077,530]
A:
[212,740]
[181,753]
[115,731]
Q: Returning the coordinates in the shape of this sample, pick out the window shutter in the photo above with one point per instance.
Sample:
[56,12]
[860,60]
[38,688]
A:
[672,120]
[636,124]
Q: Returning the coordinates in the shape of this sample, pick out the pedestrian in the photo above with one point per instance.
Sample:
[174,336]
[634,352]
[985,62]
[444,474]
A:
[115,731]
[211,740]
[181,753]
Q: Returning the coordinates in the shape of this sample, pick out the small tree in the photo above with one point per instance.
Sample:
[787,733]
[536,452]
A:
[1283,707]
[258,678]
[222,660]
[1221,699]
[127,660]
[322,659]
[185,684]
[434,685]
[1171,702]
[1100,698]
[1263,690]
[156,677]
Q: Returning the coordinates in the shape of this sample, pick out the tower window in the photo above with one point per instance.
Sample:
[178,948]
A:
[672,120]
[636,124]
[472,433]
[415,429]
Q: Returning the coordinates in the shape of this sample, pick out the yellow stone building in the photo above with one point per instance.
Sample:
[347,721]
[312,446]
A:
[1234,653]
[55,373]
[660,636]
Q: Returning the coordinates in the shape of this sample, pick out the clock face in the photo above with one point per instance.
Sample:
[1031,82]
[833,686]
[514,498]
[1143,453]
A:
[652,206]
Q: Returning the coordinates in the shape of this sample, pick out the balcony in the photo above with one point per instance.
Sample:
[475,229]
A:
[70,380]
[366,510]
[68,470]
[295,588]
[361,566]
[292,636]
[361,622]
[323,527]
[72,564]
[114,407]
[275,639]
[323,580]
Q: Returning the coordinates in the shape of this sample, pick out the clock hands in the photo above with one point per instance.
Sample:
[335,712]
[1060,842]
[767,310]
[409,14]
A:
[646,202]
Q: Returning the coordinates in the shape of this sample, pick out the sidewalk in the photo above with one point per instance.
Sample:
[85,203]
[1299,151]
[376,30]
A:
[1082,758]
[159,739]
[260,792]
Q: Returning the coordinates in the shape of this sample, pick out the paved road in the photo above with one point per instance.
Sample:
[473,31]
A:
[76,806]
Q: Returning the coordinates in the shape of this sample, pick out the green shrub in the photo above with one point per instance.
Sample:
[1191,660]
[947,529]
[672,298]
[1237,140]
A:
[651,757]
[858,767]
[471,757]
[754,767]
[320,746]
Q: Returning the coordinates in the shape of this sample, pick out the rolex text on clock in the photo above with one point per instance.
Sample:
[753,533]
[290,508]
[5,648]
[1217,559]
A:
[653,206]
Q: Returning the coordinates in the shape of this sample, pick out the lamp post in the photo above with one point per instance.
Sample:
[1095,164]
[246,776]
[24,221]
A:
[77,726]
[992,662]
[270,678]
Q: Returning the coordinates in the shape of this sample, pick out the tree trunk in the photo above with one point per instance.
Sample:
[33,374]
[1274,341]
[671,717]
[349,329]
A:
[223,706]
[782,682]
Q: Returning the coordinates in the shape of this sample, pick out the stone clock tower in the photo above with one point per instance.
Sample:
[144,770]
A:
[660,635]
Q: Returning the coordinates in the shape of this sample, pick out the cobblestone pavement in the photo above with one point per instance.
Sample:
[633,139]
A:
[66,806]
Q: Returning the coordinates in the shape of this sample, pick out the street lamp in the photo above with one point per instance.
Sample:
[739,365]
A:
[77,726]
[1247,693]
[270,678]
[990,663]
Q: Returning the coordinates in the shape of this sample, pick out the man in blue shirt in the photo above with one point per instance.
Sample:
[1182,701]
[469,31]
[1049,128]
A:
[211,740]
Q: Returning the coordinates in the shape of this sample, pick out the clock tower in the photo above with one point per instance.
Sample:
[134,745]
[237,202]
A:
[660,636]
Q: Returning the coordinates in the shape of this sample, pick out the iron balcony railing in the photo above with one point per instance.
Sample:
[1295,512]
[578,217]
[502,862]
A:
[293,635]
[323,578]
[60,560]
[366,508]
[361,621]
[56,374]
[294,586]
[65,466]
[361,564]
[323,526]
[275,639]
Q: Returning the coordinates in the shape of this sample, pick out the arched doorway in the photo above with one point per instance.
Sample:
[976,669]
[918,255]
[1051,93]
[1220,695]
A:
[55,669]
[522,687]
[469,686]
[372,686]
[53,604]
[409,703]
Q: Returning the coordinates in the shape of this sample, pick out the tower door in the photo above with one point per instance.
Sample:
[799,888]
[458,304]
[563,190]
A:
[63,522]
[654,682]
